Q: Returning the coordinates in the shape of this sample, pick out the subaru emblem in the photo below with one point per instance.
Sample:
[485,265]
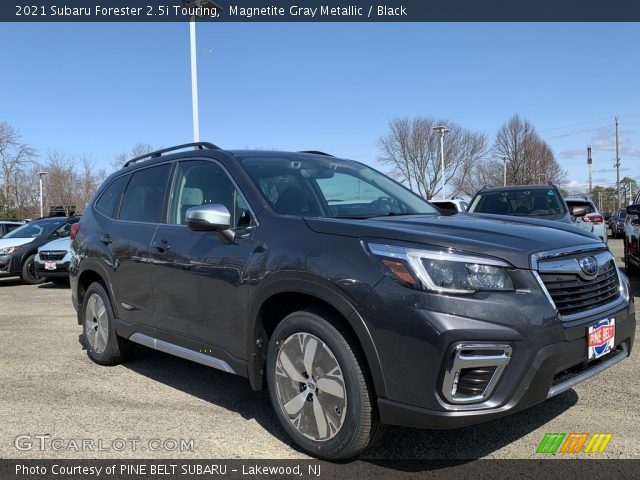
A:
[589,265]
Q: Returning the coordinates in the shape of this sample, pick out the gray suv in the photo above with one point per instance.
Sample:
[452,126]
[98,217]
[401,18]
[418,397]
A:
[350,298]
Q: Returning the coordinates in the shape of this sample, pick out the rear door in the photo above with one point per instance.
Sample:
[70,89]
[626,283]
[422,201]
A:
[128,238]
[199,278]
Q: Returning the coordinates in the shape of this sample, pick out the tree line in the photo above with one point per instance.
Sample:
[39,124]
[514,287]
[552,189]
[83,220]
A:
[411,148]
[71,179]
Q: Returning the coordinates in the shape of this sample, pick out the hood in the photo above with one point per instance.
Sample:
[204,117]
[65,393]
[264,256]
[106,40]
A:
[14,242]
[513,239]
[58,244]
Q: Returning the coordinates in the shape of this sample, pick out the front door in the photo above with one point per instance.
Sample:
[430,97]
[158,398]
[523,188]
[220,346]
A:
[198,277]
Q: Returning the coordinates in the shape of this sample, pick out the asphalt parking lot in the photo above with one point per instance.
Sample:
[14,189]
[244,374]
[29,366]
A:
[159,406]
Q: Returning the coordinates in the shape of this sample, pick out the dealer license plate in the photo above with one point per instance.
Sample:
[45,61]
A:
[601,338]
[50,266]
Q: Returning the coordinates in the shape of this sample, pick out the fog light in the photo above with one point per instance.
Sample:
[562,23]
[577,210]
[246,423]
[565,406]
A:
[473,371]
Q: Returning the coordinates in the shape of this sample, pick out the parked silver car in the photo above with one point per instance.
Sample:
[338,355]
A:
[592,221]
[52,260]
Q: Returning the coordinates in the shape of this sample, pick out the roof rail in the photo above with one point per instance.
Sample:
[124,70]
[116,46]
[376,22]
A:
[158,153]
[316,152]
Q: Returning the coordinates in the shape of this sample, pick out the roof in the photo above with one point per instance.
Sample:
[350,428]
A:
[544,186]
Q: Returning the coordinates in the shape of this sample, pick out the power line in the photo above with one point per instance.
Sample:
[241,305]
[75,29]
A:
[577,124]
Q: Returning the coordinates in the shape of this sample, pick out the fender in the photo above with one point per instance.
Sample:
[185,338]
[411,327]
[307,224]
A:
[89,264]
[322,289]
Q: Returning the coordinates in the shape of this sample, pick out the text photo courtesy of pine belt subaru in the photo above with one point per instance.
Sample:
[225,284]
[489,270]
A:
[345,294]
[19,247]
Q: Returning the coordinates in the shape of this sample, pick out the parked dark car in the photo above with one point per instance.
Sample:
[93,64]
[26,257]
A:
[608,217]
[617,223]
[535,201]
[19,247]
[7,226]
[348,296]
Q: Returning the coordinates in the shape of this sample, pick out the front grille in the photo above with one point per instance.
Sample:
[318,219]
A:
[572,294]
[51,256]
[473,382]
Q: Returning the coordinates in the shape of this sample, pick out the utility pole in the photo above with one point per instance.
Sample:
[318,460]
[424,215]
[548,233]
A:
[617,163]
[42,174]
[442,130]
[600,201]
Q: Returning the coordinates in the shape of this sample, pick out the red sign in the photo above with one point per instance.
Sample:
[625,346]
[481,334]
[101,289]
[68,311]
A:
[601,335]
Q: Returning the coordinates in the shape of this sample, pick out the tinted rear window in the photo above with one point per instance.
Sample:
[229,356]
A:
[533,202]
[143,201]
[109,201]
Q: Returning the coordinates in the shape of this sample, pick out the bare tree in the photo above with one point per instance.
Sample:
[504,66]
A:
[529,158]
[137,150]
[14,157]
[412,149]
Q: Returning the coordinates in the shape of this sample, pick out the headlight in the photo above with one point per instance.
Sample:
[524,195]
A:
[440,270]
[7,250]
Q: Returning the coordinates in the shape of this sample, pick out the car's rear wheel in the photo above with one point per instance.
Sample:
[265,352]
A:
[320,388]
[104,346]
[29,274]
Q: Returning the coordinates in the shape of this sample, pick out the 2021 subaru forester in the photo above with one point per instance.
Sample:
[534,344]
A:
[352,299]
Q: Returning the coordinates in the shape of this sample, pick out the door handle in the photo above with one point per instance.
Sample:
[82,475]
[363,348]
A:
[161,246]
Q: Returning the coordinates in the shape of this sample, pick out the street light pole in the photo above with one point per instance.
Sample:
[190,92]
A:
[442,130]
[41,175]
[504,170]
[205,6]
[194,80]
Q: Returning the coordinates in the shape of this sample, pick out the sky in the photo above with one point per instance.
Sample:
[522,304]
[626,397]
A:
[100,88]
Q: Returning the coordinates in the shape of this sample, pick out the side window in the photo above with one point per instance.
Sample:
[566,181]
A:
[200,182]
[143,198]
[64,230]
[109,201]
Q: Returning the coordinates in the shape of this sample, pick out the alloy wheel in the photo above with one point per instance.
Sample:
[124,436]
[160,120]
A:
[310,386]
[96,323]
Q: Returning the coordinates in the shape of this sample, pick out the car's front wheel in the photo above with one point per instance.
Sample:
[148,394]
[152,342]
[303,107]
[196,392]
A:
[320,388]
[29,271]
[104,346]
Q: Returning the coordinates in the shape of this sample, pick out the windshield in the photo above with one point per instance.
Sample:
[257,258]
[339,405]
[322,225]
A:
[36,228]
[329,187]
[526,202]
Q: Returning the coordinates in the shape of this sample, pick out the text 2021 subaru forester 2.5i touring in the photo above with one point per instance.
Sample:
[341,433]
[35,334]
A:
[350,298]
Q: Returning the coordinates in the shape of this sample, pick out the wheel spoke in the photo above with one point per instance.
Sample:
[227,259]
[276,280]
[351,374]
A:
[91,336]
[293,406]
[321,420]
[330,386]
[289,369]
[309,354]
[102,336]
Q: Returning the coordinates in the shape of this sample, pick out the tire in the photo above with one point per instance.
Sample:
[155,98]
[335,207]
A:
[29,271]
[103,345]
[332,411]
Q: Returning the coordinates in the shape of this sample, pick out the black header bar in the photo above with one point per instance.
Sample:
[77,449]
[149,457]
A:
[321,11]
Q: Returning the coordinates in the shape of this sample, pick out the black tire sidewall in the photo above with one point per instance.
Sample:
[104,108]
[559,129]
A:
[306,322]
[26,275]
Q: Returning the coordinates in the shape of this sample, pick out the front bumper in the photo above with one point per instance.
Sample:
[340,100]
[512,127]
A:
[415,332]
[62,270]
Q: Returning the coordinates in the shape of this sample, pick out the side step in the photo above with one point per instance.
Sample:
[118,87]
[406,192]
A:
[181,352]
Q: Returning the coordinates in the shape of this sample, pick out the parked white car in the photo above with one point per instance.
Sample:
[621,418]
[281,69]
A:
[450,204]
[52,260]
[593,221]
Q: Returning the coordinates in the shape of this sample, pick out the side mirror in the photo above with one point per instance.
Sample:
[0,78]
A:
[633,209]
[212,218]
[578,210]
